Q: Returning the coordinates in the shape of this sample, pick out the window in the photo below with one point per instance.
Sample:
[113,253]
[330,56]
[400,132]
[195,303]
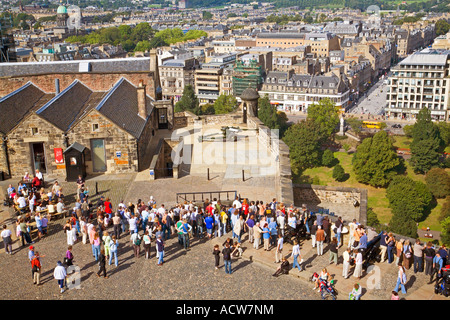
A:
[95,127]
[34,131]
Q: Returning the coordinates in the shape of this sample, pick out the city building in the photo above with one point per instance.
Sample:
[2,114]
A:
[420,81]
[175,74]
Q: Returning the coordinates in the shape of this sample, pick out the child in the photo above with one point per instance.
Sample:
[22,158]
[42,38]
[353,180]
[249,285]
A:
[69,256]
[216,253]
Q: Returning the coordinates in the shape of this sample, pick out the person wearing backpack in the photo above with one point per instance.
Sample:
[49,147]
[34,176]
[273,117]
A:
[136,241]
[36,268]
[401,279]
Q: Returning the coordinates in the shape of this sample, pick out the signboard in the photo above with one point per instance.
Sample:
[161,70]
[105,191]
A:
[59,155]
[118,154]
[152,173]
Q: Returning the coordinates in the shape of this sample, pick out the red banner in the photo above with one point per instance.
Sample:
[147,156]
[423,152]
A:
[59,155]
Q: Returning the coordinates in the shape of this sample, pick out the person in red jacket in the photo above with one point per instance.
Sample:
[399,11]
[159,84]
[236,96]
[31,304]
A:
[36,268]
[36,183]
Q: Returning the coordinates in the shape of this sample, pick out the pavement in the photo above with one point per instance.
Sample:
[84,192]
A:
[133,277]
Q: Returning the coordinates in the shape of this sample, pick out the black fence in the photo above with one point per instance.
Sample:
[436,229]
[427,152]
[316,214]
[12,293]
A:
[202,196]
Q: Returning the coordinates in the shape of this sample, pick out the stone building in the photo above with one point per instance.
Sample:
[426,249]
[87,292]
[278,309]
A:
[114,126]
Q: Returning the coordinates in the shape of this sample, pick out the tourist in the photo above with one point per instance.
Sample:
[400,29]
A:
[383,246]
[217,229]
[136,241]
[133,222]
[407,255]
[80,185]
[357,273]
[394,295]
[356,292]
[209,223]
[68,258]
[438,263]
[7,242]
[283,268]
[238,228]
[401,279]
[281,222]
[418,256]
[106,243]
[279,249]
[186,228]
[323,276]
[351,231]
[113,246]
[320,238]
[346,267]
[83,229]
[227,258]
[399,247]
[257,232]
[160,247]
[216,253]
[273,232]
[313,234]
[266,236]
[102,264]
[36,268]
[68,231]
[326,226]
[338,225]
[224,220]
[296,255]
[60,275]
[147,244]
[249,224]
[96,242]
[429,256]
[444,254]
[333,247]
[390,247]
[24,234]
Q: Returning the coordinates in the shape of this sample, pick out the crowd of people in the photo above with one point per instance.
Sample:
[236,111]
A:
[263,224]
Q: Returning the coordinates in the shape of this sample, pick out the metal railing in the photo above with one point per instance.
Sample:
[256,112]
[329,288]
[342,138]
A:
[202,196]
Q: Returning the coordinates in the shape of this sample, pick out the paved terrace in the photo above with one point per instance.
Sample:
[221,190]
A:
[251,278]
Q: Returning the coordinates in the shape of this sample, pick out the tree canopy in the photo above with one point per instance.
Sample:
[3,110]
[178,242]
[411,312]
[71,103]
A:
[375,161]
[325,114]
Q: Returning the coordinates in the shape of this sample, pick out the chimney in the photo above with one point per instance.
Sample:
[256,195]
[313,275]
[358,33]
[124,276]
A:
[142,99]
[56,86]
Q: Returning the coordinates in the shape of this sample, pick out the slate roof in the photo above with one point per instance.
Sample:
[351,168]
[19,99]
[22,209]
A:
[16,105]
[120,106]
[64,108]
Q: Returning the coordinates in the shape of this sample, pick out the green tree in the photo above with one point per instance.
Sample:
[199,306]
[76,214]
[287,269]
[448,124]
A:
[225,104]
[157,42]
[269,116]
[325,114]
[188,101]
[304,140]
[207,108]
[445,209]
[375,161]
[206,15]
[408,130]
[408,197]
[442,27]
[328,158]
[143,45]
[355,124]
[444,133]
[438,181]
[426,143]
[372,219]
[403,225]
[445,231]
[338,173]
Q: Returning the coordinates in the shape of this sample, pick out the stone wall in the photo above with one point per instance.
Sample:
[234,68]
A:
[19,146]
[116,141]
[339,200]
[162,157]
[94,81]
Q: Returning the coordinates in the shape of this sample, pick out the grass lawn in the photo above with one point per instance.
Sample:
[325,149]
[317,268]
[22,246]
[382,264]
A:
[376,196]
[402,142]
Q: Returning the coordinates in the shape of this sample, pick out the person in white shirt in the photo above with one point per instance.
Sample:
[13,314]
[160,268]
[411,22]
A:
[162,210]
[352,227]
[279,251]
[22,202]
[296,255]
[133,223]
[39,174]
[346,267]
[60,274]
[238,204]
[6,236]
[292,221]
[281,221]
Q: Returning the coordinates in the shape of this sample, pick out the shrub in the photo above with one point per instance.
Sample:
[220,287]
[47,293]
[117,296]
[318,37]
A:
[338,173]
[328,158]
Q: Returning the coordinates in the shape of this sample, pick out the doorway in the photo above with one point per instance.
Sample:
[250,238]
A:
[244,110]
[162,118]
[98,155]
[38,157]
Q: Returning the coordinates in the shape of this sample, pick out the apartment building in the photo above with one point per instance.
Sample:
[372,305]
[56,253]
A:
[295,92]
[175,74]
[420,81]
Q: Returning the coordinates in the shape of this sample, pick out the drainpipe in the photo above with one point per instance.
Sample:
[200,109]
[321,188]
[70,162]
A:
[5,150]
